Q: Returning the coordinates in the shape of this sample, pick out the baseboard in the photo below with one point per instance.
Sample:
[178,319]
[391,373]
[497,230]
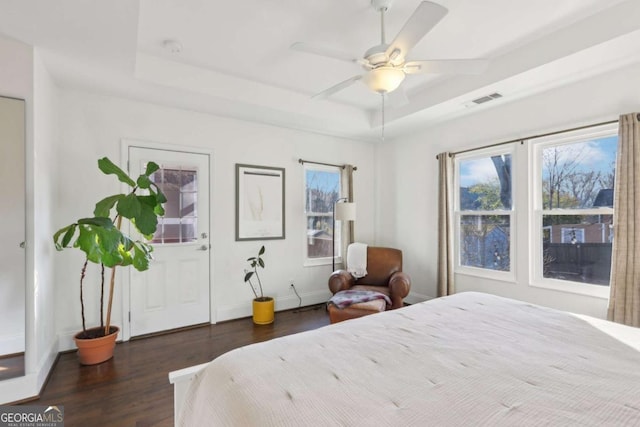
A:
[29,386]
[65,341]
[281,303]
[221,314]
[46,364]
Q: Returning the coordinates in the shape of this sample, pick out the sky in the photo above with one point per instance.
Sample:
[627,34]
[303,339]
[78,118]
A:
[598,155]
[323,180]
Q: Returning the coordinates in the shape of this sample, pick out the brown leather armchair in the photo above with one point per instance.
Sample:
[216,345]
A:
[384,275]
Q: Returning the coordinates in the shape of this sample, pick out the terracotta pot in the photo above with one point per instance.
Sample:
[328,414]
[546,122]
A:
[92,351]
[263,311]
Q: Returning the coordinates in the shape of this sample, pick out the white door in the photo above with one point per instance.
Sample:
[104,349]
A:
[174,291]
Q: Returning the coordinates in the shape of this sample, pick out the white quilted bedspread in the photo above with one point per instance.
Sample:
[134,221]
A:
[466,360]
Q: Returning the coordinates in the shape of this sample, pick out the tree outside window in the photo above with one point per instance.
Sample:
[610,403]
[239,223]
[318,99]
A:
[577,181]
[484,211]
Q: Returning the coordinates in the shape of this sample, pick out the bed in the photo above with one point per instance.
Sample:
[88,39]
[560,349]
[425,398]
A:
[467,359]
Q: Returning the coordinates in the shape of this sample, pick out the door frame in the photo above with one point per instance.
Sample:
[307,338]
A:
[125,144]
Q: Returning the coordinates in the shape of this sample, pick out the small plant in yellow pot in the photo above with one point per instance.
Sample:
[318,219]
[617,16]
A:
[263,307]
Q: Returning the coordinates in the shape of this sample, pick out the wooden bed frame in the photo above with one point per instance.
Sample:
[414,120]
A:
[181,380]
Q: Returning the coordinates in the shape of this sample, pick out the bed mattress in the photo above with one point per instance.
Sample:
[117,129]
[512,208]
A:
[465,360]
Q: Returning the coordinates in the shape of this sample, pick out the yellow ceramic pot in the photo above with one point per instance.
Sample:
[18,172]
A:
[263,311]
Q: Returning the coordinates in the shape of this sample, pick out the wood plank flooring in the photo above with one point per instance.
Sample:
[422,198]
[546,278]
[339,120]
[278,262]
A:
[133,388]
[11,366]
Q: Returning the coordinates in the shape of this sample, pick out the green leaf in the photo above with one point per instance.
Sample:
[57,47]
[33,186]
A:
[87,242]
[261,251]
[160,197]
[248,276]
[98,221]
[129,206]
[127,258]
[261,262]
[68,235]
[109,240]
[108,168]
[57,235]
[158,210]
[151,168]
[146,220]
[144,181]
[103,207]
[141,257]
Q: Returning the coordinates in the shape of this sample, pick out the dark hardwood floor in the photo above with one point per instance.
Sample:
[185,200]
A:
[11,366]
[133,389]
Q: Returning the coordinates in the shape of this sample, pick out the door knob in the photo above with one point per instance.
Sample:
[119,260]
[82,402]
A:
[203,248]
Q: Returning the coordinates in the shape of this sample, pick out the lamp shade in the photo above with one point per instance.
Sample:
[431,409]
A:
[346,211]
[383,79]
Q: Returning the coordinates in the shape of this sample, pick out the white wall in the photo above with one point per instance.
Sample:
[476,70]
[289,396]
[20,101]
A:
[45,136]
[22,76]
[93,126]
[409,177]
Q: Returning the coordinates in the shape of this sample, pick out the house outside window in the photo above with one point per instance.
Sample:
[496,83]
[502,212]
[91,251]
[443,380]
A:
[322,186]
[484,212]
[573,181]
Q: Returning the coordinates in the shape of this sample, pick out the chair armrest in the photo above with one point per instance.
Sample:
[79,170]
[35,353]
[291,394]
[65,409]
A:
[399,286]
[340,280]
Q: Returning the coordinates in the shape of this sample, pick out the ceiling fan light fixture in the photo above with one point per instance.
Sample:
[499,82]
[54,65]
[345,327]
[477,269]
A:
[384,79]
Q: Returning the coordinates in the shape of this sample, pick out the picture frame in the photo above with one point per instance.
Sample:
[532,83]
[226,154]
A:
[260,203]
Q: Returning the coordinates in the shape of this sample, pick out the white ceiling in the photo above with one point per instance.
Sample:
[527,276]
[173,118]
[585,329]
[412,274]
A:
[236,61]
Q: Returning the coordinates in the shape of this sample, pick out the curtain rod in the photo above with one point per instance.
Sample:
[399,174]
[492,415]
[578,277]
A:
[355,168]
[521,140]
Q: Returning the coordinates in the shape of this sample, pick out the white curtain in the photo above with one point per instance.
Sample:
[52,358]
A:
[624,300]
[445,238]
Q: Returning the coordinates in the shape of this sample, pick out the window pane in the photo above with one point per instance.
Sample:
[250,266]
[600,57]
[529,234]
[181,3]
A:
[319,236]
[321,192]
[577,248]
[485,241]
[485,183]
[579,175]
[323,189]
[179,223]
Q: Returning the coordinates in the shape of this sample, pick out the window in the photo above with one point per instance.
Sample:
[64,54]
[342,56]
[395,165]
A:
[322,189]
[180,221]
[559,189]
[484,210]
[574,175]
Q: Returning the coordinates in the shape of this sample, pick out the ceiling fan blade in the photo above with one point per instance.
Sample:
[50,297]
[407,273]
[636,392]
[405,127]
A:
[446,66]
[336,88]
[323,51]
[424,18]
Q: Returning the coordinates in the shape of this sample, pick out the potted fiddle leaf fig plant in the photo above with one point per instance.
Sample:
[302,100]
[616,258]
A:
[263,307]
[103,242]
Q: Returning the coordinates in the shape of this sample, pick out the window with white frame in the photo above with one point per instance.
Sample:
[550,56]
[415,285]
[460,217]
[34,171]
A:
[574,175]
[322,186]
[484,210]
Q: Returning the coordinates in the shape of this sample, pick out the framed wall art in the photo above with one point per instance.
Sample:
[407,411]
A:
[259,202]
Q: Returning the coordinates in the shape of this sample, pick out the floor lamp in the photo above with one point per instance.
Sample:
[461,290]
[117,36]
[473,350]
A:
[345,211]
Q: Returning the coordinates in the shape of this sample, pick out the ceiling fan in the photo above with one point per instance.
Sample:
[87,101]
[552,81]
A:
[386,65]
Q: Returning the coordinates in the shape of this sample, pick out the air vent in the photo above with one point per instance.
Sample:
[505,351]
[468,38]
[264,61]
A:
[487,98]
